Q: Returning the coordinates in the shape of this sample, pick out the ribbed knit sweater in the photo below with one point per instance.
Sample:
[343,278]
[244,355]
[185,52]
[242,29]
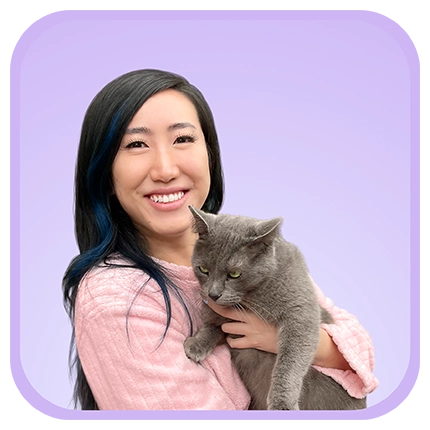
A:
[120,319]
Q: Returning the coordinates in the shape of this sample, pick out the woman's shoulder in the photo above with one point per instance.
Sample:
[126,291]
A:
[114,278]
[117,288]
[114,269]
[118,278]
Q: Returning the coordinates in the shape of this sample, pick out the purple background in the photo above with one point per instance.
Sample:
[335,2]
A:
[317,115]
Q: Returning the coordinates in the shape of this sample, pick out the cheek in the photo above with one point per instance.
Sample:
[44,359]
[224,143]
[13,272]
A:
[126,176]
[198,168]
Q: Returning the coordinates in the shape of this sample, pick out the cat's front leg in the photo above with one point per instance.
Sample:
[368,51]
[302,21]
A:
[283,396]
[296,350]
[199,346]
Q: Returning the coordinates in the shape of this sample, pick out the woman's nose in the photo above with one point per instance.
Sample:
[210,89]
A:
[164,167]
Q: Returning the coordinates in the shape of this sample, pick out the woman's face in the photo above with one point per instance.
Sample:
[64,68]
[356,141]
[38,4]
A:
[162,167]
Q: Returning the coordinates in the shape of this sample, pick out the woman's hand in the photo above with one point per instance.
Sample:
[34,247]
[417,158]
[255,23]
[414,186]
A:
[255,332]
[259,334]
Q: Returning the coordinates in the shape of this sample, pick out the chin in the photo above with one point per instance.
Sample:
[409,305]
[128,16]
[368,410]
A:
[176,230]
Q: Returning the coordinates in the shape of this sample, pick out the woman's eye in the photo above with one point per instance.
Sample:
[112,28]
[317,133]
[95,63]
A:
[136,144]
[234,275]
[184,139]
[203,270]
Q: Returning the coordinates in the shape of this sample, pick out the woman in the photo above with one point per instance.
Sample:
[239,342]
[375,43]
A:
[148,150]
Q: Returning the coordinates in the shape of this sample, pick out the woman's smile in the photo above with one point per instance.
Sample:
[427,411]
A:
[167,200]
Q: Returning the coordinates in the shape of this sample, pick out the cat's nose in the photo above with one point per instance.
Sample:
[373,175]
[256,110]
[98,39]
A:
[215,296]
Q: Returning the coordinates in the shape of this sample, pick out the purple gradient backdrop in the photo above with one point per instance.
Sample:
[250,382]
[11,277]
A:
[315,114]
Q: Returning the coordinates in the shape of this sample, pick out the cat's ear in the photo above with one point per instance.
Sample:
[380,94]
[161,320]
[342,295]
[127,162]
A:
[200,224]
[268,230]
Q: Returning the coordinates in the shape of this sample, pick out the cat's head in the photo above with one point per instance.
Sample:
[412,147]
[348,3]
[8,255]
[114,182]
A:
[233,254]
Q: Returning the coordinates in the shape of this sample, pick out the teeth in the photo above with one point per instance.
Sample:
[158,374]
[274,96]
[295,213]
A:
[167,198]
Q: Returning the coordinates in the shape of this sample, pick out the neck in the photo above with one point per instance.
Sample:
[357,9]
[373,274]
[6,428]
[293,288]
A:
[176,250]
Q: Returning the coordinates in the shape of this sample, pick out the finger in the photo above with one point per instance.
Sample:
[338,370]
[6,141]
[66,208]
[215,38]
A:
[235,328]
[238,343]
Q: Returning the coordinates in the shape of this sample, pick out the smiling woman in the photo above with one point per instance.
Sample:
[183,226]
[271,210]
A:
[160,169]
[149,150]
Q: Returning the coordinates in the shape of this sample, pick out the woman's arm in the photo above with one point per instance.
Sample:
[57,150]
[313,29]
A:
[127,363]
[354,343]
[328,354]
[345,351]
[260,335]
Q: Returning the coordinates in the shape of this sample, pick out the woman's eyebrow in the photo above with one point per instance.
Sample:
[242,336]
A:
[173,127]
[180,125]
[138,130]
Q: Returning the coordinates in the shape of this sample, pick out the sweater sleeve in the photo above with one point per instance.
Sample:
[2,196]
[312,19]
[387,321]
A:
[129,366]
[355,345]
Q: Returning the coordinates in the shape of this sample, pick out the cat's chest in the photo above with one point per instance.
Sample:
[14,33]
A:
[268,305]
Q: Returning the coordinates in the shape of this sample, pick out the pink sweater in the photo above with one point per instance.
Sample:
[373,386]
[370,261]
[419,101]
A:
[128,367]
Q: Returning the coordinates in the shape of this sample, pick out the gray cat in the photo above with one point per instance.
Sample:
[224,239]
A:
[245,263]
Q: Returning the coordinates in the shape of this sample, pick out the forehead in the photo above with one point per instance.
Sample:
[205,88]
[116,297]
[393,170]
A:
[166,108]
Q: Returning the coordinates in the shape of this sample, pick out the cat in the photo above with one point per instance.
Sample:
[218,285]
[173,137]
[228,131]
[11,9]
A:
[246,263]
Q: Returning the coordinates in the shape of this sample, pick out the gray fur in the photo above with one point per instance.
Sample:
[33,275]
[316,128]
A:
[274,283]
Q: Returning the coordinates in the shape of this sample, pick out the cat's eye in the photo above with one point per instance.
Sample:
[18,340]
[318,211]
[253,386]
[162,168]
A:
[203,270]
[234,275]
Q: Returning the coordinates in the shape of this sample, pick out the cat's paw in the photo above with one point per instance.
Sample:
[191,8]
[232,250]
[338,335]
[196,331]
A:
[279,405]
[194,350]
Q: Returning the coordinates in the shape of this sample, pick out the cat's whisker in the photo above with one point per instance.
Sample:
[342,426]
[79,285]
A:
[197,303]
[240,309]
[253,308]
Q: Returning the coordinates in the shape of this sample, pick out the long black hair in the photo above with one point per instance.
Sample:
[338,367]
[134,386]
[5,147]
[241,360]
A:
[102,226]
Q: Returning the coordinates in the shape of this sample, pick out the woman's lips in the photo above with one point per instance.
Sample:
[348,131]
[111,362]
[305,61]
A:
[166,198]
